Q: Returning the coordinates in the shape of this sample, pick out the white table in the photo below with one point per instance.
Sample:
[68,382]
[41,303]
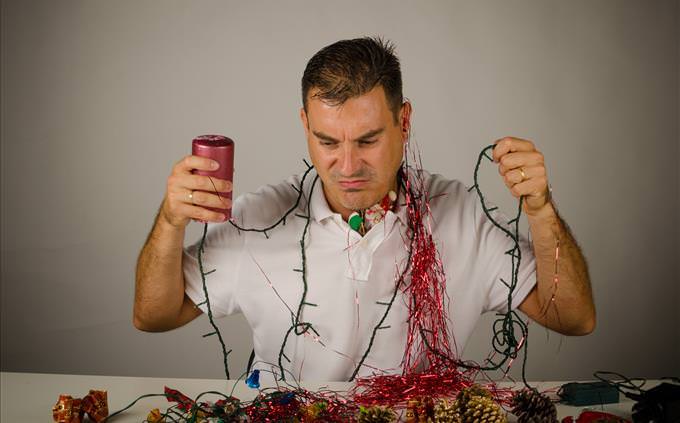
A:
[29,397]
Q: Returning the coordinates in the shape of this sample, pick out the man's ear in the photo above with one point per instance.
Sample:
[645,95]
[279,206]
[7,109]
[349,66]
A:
[305,122]
[405,120]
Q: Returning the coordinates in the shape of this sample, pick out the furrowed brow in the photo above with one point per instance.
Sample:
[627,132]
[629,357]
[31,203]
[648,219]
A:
[324,137]
[370,134]
[364,136]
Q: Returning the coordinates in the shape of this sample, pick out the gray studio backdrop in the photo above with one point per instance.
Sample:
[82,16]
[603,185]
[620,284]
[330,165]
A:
[100,99]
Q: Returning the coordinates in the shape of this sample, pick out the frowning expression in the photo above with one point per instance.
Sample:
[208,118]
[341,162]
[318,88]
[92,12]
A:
[356,148]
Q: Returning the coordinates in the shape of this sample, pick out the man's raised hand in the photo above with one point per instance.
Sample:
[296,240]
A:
[187,195]
[523,169]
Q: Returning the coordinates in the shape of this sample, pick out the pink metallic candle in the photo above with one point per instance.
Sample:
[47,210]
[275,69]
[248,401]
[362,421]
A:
[220,149]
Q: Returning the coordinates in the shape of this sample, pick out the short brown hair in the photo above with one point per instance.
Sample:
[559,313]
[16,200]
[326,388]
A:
[350,68]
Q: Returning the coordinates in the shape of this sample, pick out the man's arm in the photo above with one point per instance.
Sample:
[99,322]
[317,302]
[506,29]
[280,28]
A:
[562,299]
[160,301]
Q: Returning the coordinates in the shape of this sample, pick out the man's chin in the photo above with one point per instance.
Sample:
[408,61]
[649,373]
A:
[357,203]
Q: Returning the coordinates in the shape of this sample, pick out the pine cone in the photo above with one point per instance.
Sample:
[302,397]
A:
[467,394]
[481,409]
[530,406]
[445,412]
[474,390]
[376,414]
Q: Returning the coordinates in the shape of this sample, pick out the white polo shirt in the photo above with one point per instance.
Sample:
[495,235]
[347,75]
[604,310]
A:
[349,277]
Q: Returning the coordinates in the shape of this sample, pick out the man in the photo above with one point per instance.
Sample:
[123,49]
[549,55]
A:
[318,270]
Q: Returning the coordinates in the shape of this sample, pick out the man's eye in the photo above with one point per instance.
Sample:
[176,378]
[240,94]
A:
[367,142]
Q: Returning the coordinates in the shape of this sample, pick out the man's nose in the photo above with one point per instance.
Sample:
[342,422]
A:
[350,161]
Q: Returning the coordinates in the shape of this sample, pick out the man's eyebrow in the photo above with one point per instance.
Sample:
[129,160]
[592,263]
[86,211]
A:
[363,136]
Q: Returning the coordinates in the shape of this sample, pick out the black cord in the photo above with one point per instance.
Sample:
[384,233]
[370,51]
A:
[625,385]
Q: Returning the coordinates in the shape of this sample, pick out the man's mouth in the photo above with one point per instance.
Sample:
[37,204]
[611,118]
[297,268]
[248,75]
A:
[353,184]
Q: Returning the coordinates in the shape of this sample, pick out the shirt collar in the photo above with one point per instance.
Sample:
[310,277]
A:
[318,207]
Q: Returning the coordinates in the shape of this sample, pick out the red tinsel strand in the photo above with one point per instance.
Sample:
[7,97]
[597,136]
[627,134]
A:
[396,391]
[428,336]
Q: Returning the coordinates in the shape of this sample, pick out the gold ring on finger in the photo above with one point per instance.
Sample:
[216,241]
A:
[191,197]
[524,175]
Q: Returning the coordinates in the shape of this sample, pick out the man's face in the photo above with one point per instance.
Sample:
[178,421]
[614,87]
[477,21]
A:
[356,148]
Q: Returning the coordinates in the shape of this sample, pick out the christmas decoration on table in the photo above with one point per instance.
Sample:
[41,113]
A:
[397,390]
[184,403]
[590,416]
[376,414]
[285,403]
[96,406]
[155,416]
[445,412]
[314,411]
[419,409]
[253,380]
[474,390]
[481,409]
[71,410]
[229,407]
[67,410]
[530,406]
[475,404]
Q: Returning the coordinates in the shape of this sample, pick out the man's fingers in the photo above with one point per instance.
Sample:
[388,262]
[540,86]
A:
[534,187]
[193,205]
[507,145]
[522,159]
[521,174]
[207,199]
[215,184]
[189,163]
[198,182]
[523,171]
[188,195]
[208,183]
[200,213]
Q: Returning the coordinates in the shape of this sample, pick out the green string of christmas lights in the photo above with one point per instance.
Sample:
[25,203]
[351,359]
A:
[297,326]
[504,340]
[216,331]
[300,328]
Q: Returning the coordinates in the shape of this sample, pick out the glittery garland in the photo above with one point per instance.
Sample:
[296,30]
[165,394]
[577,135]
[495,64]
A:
[427,336]
[398,390]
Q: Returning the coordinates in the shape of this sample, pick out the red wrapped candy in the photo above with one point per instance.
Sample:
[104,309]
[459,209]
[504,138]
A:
[183,402]
[67,410]
[96,405]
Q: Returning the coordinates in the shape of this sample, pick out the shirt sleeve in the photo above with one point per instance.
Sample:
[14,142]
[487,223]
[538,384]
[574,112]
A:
[221,258]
